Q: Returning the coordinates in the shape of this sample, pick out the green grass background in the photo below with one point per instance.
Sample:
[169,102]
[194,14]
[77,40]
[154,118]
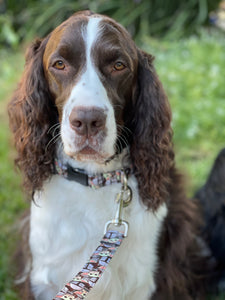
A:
[192,71]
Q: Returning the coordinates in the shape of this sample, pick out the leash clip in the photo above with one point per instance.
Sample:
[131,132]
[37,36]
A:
[123,199]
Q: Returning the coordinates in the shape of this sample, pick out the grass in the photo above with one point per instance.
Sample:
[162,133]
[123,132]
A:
[11,200]
[192,71]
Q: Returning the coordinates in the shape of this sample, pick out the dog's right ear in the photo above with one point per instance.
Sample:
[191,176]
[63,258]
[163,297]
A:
[33,49]
[151,148]
[31,113]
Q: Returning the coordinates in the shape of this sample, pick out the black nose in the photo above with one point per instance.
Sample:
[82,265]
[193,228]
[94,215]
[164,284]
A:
[87,120]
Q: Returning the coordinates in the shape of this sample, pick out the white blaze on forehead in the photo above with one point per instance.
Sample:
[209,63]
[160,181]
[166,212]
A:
[92,32]
[89,92]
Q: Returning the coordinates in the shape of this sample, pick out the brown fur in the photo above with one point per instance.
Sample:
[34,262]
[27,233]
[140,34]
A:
[147,114]
[182,271]
[31,114]
[151,148]
[22,258]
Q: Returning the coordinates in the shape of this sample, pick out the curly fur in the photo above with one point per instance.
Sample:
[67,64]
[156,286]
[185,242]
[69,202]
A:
[32,112]
[151,147]
[147,116]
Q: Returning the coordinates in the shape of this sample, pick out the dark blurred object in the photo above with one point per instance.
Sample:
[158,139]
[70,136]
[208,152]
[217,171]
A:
[212,199]
[217,17]
[147,17]
[2,6]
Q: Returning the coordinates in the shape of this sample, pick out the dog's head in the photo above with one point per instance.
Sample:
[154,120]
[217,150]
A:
[89,80]
[90,65]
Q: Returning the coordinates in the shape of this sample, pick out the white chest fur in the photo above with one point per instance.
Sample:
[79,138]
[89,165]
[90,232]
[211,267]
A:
[67,223]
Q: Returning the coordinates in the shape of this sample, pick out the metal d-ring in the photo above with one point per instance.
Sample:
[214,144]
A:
[122,223]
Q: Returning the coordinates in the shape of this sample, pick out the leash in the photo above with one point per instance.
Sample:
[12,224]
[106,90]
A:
[85,280]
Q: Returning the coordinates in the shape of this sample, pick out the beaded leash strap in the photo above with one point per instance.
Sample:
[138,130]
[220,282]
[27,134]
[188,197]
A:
[84,281]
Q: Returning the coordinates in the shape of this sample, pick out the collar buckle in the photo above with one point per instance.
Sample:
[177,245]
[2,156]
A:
[77,175]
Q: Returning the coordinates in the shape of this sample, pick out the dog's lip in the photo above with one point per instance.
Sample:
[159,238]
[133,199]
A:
[87,150]
[87,153]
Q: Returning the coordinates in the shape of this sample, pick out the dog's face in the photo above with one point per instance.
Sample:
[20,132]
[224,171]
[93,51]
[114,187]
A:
[90,63]
[89,78]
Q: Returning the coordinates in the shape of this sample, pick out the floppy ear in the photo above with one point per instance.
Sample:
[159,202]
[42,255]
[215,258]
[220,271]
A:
[151,149]
[31,114]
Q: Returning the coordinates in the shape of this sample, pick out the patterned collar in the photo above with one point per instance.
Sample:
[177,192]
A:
[94,181]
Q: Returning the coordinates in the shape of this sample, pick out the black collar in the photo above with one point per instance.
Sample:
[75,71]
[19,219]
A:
[92,180]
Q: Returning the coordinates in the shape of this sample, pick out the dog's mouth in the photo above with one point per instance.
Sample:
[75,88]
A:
[95,148]
[88,150]
[89,154]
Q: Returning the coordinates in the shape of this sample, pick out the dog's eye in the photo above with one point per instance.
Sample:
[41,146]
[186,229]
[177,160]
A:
[59,64]
[119,66]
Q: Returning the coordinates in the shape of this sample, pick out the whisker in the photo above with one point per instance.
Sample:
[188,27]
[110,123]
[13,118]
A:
[56,128]
[124,135]
[57,125]
[127,129]
[52,141]
[120,146]
[124,128]
[118,125]
[117,148]
[123,138]
[123,141]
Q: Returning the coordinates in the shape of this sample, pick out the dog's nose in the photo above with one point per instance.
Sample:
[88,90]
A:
[87,120]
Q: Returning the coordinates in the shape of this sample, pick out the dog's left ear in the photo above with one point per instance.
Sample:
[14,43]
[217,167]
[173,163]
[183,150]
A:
[151,149]
[31,113]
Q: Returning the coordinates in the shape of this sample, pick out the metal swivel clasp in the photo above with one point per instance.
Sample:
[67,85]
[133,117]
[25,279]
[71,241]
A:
[123,199]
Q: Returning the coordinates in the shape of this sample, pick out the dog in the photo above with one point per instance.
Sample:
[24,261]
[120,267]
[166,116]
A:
[211,197]
[88,111]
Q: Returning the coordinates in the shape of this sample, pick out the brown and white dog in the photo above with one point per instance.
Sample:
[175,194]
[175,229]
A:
[92,100]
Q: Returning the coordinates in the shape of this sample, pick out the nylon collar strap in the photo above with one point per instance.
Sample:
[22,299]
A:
[94,181]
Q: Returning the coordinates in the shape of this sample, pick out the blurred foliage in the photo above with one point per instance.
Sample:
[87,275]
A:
[12,202]
[8,34]
[192,71]
[172,18]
